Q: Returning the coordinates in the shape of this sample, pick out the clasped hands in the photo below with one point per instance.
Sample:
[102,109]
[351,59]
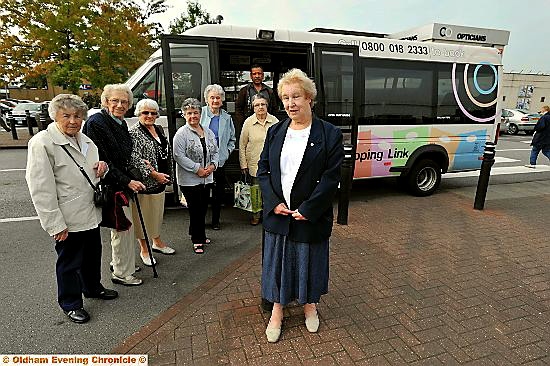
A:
[205,172]
[281,209]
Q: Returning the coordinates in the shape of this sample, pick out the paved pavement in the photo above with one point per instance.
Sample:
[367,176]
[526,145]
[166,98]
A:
[416,281]
[7,141]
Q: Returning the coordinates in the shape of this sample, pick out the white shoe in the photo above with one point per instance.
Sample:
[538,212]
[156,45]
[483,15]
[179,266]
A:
[312,322]
[273,334]
[126,281]
[530,166]
[164,250]
[147,260]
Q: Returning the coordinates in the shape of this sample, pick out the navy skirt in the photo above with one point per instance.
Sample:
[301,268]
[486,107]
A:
[294,271]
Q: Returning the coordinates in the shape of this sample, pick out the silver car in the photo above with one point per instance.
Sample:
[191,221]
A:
[18,113]
[520,120]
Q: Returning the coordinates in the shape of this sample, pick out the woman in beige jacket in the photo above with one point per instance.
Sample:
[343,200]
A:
[63,199]
[252,140]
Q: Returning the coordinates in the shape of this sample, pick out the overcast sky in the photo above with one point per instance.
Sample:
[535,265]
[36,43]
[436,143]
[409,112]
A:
[528,21]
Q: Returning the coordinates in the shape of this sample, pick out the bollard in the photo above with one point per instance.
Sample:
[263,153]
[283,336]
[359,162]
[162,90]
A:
[39,121]
[345,185]
[484,174]
[29,123]
[11,121]
[4,123]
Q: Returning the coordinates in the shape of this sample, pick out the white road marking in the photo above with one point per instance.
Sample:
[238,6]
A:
[501,171]
[500,159]
[498,150]
[11,170]
[18,219]
[526,142]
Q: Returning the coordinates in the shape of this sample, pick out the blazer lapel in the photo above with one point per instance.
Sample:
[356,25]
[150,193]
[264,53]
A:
[313,148]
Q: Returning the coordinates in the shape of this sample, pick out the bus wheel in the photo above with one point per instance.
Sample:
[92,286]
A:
[424,178]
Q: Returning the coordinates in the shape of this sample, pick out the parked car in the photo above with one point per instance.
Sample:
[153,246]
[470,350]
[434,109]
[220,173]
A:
[8,103]
[18,113]
[520,120]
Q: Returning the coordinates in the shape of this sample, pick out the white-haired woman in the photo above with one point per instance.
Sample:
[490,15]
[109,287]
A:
[220,122]
[152,159]
[299,171]
[63,199]
[196,156]
[252,140]
[109,131]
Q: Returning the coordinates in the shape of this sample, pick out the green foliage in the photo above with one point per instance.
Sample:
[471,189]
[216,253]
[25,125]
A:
[99,41]
[194,16]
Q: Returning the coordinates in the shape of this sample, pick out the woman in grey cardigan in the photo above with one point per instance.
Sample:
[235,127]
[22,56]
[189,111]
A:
[196,156]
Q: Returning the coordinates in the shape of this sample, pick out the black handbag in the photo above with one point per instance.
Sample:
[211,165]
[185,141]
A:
[103,193]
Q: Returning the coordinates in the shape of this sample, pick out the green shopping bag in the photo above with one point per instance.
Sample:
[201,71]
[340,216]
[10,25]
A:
[247,197]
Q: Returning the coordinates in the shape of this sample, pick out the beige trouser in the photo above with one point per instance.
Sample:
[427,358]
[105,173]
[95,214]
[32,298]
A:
[152,209]
[123,249]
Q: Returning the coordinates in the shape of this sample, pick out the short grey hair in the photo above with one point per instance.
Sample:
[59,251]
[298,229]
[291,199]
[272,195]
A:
[214,88]
[67,102]
[297,76]
[255,97]
[109,89]
[191,103]
[146,103]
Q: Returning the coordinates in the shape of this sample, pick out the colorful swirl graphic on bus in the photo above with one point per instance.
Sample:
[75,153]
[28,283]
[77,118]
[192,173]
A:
[478,89]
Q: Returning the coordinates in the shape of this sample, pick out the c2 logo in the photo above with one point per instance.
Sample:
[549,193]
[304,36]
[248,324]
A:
[444,32]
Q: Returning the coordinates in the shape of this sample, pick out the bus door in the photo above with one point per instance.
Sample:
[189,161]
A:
[189,64]
[336,76]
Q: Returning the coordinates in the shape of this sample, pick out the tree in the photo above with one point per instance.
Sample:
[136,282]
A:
[194,16]
[101,41]
[149,9]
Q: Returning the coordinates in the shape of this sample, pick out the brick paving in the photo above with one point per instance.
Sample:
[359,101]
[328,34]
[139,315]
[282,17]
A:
[7,141]
[414,281]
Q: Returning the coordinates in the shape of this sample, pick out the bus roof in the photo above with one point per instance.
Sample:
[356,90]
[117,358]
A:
[373,45]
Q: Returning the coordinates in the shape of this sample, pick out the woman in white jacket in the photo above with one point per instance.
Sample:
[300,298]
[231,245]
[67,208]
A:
[63,199]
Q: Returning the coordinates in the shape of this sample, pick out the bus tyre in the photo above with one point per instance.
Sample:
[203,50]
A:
[513,129]
[424,178]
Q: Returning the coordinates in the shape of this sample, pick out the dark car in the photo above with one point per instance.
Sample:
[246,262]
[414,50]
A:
[18,113]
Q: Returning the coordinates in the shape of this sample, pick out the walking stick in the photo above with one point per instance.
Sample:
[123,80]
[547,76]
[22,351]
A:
[155,275]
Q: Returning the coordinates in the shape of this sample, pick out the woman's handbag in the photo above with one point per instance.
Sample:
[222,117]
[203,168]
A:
[103,194]
[247,197]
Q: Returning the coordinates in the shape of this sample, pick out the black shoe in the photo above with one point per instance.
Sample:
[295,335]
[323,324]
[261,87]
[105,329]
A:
[216,226]
[78,316]
[106,294]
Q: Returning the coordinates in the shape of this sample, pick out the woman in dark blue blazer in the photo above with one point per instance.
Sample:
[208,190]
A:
[298,171]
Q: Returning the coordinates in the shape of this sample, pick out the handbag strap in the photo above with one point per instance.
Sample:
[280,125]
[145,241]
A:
[79,168]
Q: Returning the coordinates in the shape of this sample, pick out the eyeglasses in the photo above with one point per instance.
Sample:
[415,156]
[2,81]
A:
[260,105]
[146,113]
[116,101]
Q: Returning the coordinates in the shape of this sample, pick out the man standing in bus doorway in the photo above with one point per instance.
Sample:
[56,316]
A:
[243,105]
[541,139]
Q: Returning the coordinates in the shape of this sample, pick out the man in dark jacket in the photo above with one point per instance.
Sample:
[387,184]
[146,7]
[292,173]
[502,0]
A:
[541,139]
[109,131]
[243,105]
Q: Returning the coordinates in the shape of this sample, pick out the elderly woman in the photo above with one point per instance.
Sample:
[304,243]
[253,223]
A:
[219,121]
[152,159]
[299,171]
[63,199]
[252,140]
[109,130]
[196,155]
